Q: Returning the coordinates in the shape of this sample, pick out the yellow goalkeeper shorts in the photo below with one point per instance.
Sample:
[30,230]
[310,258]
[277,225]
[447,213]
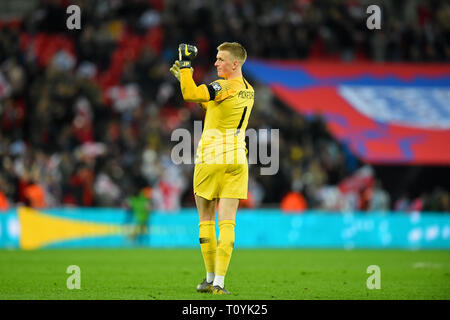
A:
[215,181]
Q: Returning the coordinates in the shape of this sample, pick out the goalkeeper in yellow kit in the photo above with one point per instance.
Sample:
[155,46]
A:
[221,168]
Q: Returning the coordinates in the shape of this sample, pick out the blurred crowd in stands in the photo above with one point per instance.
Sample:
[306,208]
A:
[87,115]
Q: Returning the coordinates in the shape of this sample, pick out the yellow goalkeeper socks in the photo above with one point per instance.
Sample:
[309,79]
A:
[224,250]
[208,245]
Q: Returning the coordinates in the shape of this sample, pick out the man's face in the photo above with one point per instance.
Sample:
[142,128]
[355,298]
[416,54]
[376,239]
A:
[224,64]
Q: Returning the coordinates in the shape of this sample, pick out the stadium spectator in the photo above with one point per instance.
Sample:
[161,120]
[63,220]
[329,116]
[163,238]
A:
[293,202]
[35,195]
[4,203]
[380,199]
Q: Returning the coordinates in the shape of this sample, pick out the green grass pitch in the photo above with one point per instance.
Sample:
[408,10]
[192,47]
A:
[275,274]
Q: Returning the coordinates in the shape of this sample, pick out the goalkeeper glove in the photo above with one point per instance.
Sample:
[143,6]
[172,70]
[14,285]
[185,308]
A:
[175,70]
[186,54]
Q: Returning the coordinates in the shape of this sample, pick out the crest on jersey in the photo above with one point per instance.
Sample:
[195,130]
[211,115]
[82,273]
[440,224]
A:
[216,86]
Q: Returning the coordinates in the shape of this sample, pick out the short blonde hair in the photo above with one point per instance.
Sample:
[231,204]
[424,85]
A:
[236,50]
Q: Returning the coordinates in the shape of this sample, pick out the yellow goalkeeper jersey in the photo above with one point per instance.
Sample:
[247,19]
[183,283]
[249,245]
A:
[228,105]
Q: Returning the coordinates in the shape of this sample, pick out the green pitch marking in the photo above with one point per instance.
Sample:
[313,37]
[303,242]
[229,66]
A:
[172,274]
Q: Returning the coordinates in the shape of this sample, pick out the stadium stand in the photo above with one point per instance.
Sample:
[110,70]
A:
[87,114]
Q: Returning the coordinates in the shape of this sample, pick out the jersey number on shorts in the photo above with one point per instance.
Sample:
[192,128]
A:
[240,122]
